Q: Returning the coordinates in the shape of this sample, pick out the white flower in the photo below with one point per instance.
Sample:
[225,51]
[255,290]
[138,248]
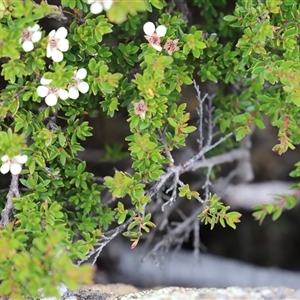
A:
[13,165]
[79,85]
[57,44]
[51,93]
[29,36]
[97,6]
[153,35]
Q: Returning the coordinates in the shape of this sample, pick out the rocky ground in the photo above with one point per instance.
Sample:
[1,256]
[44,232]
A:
[127,292]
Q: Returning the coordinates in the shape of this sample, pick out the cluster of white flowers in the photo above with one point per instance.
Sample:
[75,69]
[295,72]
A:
[57,43]
[78,84]
[52,93]
[29,36]
[154,35]
[14,165]
[97,6]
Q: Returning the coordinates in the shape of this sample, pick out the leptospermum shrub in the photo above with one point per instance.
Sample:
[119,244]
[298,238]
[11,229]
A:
[135,56]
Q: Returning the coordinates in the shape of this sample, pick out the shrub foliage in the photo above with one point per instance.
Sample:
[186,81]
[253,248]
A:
[96,64]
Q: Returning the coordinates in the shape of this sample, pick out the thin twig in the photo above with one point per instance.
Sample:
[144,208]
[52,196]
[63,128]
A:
[180,228]
[57,14]
[188,164]
[104,240]
[167,150]
[173,188]
[200,113]
[207,184]
[235,154]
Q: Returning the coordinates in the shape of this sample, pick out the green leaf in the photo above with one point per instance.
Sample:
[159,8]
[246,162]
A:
[159,4]
[172,122]
[259,123]
[122,218]
[231,223]
[241,132]
[230,18]
[188,129]
[243,118]
[277,213]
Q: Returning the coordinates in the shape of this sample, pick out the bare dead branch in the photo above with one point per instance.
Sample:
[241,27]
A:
[104,240]
[173,188]
[189,165]
[179,229]
[207,184]
[7,212]
[233,155]
[57,14]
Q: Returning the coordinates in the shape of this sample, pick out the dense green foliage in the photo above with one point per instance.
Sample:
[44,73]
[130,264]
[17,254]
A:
[58,215]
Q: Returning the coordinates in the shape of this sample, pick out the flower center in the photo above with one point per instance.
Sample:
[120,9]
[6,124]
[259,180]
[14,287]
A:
[140,107]
[26,35]
[72,85]
[53,42]
[154,39]
[170,46]
[53,90]
[75,83]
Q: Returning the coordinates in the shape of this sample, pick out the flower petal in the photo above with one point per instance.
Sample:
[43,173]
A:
[42,91]
[57,56]
[149,28]
[96,8]
[20,159]
[48,51]
[36,36]
[5,158]
[52,33]
[90,1]
[63,45]
[45,81]
[15,169]
[51,100]
[63,94]
[73,93]
[161,30]
[83,87]
[61,33]
[107,4]
[156,47]
[27,46]
[36,27]
[81,73]
[5,168]
[23,159]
